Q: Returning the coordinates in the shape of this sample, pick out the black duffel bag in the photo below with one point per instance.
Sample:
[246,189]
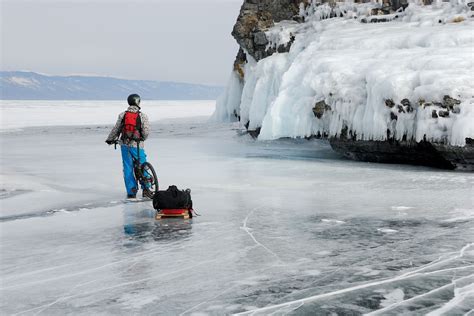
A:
[173,198]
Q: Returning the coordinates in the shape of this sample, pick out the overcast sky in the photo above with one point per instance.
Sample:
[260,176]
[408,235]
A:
[172,40]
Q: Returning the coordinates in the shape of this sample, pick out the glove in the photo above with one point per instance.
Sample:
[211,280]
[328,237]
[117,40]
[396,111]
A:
[109,142]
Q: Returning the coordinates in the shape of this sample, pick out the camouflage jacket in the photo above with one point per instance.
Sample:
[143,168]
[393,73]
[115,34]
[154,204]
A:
[117,130]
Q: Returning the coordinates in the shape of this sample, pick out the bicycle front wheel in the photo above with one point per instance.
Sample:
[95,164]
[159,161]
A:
[150,178]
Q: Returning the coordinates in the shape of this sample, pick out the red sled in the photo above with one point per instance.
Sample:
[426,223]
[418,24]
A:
[184,213]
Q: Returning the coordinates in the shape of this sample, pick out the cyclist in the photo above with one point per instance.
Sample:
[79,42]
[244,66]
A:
[133,129]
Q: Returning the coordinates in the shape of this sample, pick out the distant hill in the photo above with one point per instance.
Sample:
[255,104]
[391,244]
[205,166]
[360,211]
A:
[19,85]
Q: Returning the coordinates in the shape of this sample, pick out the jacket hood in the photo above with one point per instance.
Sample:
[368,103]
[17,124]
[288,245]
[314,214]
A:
[133,109]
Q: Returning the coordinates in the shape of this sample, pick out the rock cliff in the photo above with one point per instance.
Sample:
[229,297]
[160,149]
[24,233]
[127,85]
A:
[385,82]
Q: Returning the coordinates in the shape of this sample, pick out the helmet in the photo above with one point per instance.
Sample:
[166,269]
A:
[134,99]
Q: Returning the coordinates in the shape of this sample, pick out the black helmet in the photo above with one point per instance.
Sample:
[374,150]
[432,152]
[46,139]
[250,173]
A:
[134,99]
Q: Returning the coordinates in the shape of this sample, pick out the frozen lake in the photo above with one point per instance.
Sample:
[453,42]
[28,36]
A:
[286,227]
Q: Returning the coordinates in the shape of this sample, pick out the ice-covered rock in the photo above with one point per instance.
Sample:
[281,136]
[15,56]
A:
[336,70]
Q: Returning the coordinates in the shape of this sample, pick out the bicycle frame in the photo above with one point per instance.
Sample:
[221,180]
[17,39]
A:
[137,166]
[141,175]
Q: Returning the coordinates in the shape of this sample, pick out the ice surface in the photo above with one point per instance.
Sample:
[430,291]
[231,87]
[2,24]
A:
[354,68]
[286,226]
[18,114]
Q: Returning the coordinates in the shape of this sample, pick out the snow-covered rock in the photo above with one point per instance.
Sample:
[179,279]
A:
[361,72]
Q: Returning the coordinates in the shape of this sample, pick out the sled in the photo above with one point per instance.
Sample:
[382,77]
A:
[170,213]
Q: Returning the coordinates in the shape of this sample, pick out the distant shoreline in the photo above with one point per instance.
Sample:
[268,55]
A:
[22,85]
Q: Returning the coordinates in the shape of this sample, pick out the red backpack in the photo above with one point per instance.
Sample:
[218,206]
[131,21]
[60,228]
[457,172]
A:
[132,126]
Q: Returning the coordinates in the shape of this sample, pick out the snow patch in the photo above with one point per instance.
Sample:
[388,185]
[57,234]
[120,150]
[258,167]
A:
[387,230]
[393,297]
[401,208]
[22,81]
[332,221]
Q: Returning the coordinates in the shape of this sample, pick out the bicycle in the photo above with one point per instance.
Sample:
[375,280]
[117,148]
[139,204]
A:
[144,173]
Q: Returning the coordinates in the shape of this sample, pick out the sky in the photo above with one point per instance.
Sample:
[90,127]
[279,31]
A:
[167,40]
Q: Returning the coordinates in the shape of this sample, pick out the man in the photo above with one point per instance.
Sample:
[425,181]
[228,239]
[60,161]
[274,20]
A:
[133,129]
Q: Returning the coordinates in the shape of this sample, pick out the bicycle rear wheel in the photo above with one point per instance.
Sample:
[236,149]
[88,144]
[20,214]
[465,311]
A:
[149,177]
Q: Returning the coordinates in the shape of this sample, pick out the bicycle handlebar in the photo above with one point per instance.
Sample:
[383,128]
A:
[116,142]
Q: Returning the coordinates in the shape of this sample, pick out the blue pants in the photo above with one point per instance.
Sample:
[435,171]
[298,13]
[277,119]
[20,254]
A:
[128,174]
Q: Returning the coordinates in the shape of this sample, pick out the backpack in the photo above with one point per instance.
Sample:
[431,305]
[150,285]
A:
[173,198]
[132,126]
